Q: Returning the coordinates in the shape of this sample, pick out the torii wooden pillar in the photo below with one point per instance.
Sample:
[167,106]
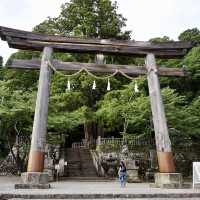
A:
[38,141]
[163,143]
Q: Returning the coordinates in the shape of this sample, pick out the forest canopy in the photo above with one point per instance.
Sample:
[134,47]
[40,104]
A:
[120,110]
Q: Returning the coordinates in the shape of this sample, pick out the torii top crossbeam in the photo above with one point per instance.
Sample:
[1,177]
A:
[35,41]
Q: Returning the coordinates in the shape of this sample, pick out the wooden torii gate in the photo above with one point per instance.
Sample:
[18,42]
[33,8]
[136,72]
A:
[34,41]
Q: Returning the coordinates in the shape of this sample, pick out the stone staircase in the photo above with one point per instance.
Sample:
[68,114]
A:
[79,163]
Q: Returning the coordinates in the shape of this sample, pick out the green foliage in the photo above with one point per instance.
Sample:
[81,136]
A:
[87,18]
[67,120]
[176,114]
[124,107]
[16,116]
[192,61]
[161,39]
[15,103]
[22,79]
[192,35]
[116,108]
[109,148]
[121,109]
[194,118]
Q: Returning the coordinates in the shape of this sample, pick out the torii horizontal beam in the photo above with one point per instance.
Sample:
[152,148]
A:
[130,70]
[34,41]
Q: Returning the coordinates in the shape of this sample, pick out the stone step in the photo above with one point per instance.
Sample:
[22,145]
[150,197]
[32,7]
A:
[73,167]
[80,163]
[120,199]
[91,168]
[88,179]
[89,175]
[157,196]
[90,171]
[87,165]
[73,162]
[85,159]
[72,173]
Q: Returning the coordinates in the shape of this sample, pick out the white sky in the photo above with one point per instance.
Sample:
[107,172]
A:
[146,18]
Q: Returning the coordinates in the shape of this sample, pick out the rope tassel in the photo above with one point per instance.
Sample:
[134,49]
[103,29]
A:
[68,85]
[108,85]
[94,85]
[136,88]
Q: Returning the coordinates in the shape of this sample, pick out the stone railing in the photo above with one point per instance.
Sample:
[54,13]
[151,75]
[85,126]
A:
[8,166]
[78,145]
[84,144]
[133,142]
[97,163]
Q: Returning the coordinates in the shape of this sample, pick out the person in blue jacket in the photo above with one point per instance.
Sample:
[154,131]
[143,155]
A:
[122,174]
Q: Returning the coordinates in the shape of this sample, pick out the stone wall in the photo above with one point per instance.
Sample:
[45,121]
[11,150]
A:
[146,159]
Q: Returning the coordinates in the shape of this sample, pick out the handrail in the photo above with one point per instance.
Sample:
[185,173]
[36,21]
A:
[133,142]
[97,164]
[83,144]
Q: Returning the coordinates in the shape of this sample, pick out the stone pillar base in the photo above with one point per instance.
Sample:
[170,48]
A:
[168,180]
[34,180]
[32,186]
[132,176]
[132,171]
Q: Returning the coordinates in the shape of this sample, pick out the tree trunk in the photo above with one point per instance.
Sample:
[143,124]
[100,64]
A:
[100,130]
[88,129]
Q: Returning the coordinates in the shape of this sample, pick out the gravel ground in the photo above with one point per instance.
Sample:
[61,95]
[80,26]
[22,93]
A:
[89,187]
